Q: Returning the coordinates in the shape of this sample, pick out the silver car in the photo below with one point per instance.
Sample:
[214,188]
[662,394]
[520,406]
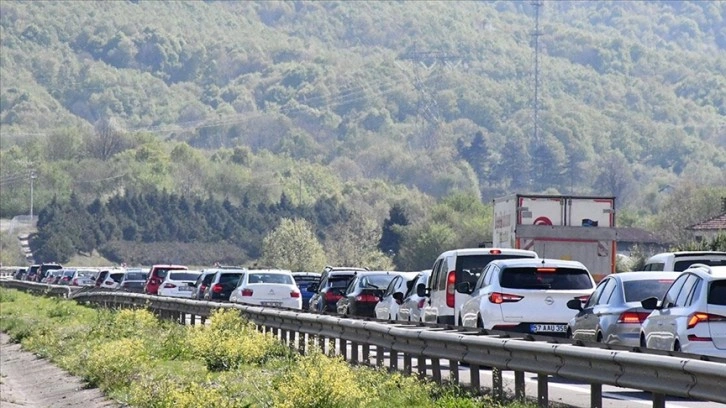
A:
[410,309]
[613,313]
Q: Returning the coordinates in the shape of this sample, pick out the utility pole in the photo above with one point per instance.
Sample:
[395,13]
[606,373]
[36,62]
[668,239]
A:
[32,177]
[536,34]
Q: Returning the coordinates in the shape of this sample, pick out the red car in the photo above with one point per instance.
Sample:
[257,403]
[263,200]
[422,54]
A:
[157,273]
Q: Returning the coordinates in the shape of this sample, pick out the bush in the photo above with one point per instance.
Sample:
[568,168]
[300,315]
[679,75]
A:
[117,363]
[230,342]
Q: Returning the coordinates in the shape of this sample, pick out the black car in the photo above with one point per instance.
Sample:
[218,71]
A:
[333,282]
[202,283]
[45,269]
[20,273]
[223,283]
[32,274]
[133,280]
[364,292]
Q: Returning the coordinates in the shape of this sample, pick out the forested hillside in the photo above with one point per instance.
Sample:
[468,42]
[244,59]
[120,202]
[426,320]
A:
[370,103]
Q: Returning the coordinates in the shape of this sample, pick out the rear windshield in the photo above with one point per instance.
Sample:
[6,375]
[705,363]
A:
[470,267]
[208,279]
[270,278]
[376,281]
[50,267]
[86,274]
[69,273]
[340,282]
[306,280]
[161,272]
[183,276]
[537,278]
[681,266]
[635,291]
[227,278]
[717,293]
[135,276]
[117,277]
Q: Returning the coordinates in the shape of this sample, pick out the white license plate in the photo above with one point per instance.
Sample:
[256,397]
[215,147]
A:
[548,328]
[185,288]
[271,304]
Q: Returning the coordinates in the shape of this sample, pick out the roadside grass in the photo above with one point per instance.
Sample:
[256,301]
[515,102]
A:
[143,362]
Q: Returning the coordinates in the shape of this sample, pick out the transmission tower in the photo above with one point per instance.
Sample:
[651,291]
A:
[535,36]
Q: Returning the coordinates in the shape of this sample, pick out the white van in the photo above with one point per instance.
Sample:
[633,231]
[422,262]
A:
[456,266]
[680,261]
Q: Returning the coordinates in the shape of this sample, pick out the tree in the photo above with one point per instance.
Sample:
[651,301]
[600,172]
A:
[423,242]
[355,243]
[107,140]
[292,245]
[390,241]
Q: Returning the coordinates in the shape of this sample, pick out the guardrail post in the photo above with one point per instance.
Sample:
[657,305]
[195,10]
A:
[454,371]
[343,348]
[192,319]
[519,387]
[436,367]
[393,360]
[379,356]
[322,344]
[595,395]
[497,384]
[354,352]
[474,376]
[407,364]
[367,353]
[542,396]
[421,366]
[183,319]
[658,400]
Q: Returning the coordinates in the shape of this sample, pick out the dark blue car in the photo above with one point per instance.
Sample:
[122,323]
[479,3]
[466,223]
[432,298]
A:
[303,280]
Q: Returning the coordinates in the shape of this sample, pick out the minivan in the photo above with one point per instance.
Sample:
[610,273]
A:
[682,260]
[457,266]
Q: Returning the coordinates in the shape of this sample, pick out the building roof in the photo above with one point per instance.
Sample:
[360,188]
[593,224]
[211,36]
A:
[637,235]
[717,223]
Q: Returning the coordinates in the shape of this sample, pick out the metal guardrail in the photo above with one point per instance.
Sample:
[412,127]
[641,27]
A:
[659,374]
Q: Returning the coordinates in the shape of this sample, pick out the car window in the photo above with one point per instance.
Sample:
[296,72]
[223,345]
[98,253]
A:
[607,292]
[116,277]
[434,277]
[229,278]
[592,300]
[183,276]
[694,292]
[136,276]
[351,286]
[483,278]
[685,291]
[658,266]
[670,297]
[161,272]
[376,281]
[717,293]
[392,286]
[443,273]
[681,266]
[207,279]
[270,278]
[545,278]
[635,291]
[340,282]
[470,267]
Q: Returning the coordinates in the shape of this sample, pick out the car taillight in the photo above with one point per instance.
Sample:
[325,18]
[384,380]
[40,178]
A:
[247,292]
[421,303]
[202,288]
[294,294]
[217,288]
[169,285]
[367,298]
[332,297]
[450,283]
[700,317]
[632,317]
[75,282]
[584,299]
[499,298]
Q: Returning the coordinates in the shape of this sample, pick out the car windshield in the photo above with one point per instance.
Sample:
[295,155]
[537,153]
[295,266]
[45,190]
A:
[229,278]
[270,278]
[635,291]
[183,276]
[85,274]
[136,276]
[117,276]
[470,267]
[376,281]
[717,293]
[545,278]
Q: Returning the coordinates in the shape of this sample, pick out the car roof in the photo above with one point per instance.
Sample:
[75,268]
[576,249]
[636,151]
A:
[312,274]
[489,251]
[537,263]
[665,255]
[275,271]
[714,271]
[644,275]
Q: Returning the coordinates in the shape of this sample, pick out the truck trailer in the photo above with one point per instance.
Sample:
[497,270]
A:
[579,228]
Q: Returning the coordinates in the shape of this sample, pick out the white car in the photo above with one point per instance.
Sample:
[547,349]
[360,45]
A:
[453,268]
[527,296]
[387,307]
[680,261]
[267,287]
[410,309]
[177,283]
[113,279]
[691,318]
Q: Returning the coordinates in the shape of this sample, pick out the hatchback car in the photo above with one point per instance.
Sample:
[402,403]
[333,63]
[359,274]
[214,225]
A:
[45,269]
[178,284]
[330,289]
[78,277]
[20,273]
[113,279]
[613,313]
[526,295]
[32,274]
[392,297]
[691,317]
[267,287]
[133,280]
[222,284]
[203,281]
[455,267]
[363,293]
[303,281]
[157,273]
[410,309]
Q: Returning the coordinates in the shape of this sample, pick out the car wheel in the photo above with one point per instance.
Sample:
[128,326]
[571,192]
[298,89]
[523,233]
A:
[479,322]
[460,322]
[599,337]
[643,344]
[569,333]
[677,346]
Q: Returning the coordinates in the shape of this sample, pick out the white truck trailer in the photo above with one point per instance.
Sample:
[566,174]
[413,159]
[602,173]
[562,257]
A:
[579,228]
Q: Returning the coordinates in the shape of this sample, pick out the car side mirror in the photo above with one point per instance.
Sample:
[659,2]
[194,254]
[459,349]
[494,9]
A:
[312,288]
[650,303]
[421,290]
[464,287]
[192,284]
[575,304]
[398,296]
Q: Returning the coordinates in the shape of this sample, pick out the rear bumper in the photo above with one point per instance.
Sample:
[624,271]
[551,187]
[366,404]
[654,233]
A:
[526,327]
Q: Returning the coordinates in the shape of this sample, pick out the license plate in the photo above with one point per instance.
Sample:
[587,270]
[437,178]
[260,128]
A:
[272,304]
[185,288]
[548,328]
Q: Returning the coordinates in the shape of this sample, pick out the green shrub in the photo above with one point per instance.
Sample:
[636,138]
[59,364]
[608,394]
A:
[117,363]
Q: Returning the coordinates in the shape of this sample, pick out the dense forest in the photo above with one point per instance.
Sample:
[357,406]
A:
[427,107]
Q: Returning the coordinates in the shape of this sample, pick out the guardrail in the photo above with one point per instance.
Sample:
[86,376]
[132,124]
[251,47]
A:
[659,374]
